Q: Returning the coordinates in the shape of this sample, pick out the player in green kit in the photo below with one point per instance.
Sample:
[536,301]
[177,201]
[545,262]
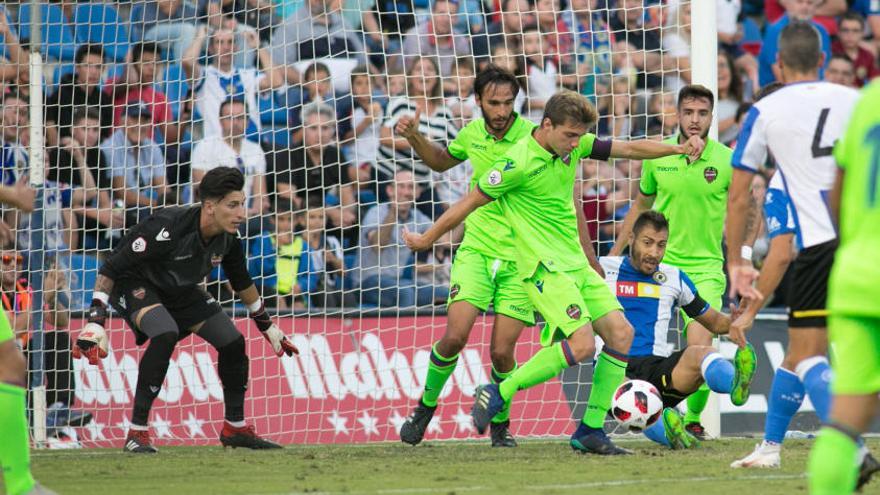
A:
[692,194]
[533,182]
[853,292]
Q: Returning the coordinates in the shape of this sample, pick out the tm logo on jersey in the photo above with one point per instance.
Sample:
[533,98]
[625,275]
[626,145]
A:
[638,289]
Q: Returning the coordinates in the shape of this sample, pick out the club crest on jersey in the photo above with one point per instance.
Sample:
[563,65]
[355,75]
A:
[659,277]
[710,174]
[139,293]
[573,311]
[216,259]
[139,245]
[453,291]
[495,177]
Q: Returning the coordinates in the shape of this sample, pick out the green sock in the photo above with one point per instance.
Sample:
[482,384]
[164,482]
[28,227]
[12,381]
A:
[832,468]
[498,377]
[608,374]
[14,449]
[544,365]
[439,370]
[696,403]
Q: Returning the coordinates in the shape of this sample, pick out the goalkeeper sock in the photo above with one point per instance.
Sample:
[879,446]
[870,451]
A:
[439,370]
[718,373]
[14,448]
[151,374]
[544,365]
[786,396]
[498,377]
[696,402]
[832,467]
[815,374]
[657,433]
[608,374]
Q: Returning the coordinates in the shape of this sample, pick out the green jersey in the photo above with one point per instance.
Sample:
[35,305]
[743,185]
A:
[693,197]
[535,190]
[853,288]
[486,231]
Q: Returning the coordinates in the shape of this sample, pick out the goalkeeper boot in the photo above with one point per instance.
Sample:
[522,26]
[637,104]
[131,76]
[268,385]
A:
[745,363]
[501,436]
[487,404]
[138,442]
[766,455]
[697,430]
[586,440]
[413,430]
[244,437]
[867,469]
[673,425]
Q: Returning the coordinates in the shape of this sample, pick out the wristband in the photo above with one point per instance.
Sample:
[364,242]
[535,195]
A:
[746,253]
[101,296]
[260,316]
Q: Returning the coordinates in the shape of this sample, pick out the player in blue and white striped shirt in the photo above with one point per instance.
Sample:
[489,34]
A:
[650,293]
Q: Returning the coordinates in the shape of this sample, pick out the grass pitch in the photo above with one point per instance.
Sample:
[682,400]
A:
[539,466]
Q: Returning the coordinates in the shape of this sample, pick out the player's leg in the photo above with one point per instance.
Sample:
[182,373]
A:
[514,311]
[232,367]
[14,449]
[704,365]
[470,292]
[711,287]
[856,364]
[669,430]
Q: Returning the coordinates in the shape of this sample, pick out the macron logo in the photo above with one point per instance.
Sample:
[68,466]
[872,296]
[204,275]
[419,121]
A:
[163,235]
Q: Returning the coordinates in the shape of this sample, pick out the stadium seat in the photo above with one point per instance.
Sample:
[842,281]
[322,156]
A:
[83,272]
[101,23]
[58,42]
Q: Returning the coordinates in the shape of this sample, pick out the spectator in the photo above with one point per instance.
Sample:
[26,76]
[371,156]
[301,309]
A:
[15,125]
[314,31]
[317,86]
[435,122]
[641,43]
[279,260]
[615,120]
[317,169]
[542,72]
[506,32]
[677,44]
[840,70]
[177,150]
[137,85]
[730,97]
[233,150]
[220,80]
[325,267]
[82,88]
[825,11]
[463,103]
[366,120]
[219,14]
[589,21]
[870,11]
[804,10]
[850,36]
[558,40]
[434,267]
[257,15]
[511,59]
[396,82]
[169,23]
[601,198]
[137,167]
[18,59]
[437,38]
[385,261]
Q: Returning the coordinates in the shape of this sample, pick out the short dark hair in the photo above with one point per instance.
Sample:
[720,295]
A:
[219,182]
[697,91]
[568,106]
[80,113]
[742,109]
[283,205]
[840,56]
[494,75]
[87,49]
[768,90]
[313,68]
[800,47]
[138,50]
[653,218]
[852,16]
[229,101]
[359,71]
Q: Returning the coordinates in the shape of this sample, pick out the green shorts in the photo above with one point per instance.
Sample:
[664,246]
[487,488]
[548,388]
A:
[710,287]
[6,332]
[482,280]
[569,300]
[856,354]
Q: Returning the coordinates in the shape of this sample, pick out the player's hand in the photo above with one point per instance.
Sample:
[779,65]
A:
[415,241]
[91,344]
[693,147]
[408,126]
[739,326]
[279,342]
[742,276]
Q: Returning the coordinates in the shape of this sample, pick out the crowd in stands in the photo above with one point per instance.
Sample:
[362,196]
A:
[142,98]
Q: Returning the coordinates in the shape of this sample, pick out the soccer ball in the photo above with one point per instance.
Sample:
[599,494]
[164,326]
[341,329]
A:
[636,405]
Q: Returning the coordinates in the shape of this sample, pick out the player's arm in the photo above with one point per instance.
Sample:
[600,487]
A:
[435,156]
[584,235]
[644,149]
[190,59]
[643,202]
[448,221]
[836,194]
[754,217]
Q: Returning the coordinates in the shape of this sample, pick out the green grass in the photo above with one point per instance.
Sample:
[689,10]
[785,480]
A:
[546,466]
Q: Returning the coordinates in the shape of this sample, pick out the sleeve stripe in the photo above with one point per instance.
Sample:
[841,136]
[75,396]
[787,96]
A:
[743,141]
[601,149]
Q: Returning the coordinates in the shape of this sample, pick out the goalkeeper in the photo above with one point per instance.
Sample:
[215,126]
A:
[152,280]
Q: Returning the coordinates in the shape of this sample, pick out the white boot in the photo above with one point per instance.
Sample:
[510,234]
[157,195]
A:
[766,455]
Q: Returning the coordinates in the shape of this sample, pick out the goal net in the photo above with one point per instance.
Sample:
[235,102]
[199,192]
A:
[141,99]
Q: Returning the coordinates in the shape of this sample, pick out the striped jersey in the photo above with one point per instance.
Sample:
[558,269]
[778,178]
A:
[217,86]
[437,127]
[798,126]
[777,210]
[650,301]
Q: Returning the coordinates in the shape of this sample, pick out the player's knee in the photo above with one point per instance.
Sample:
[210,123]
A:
[582,345]
[233,364]
[696,353]
[157,323]
[501,354]
[452,343]
[13,367]
[166,341]
[621,337]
